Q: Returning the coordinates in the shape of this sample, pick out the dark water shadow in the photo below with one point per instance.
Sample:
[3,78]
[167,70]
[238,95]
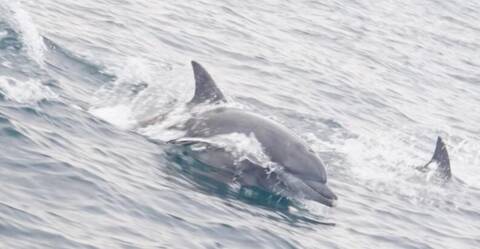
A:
[213,180]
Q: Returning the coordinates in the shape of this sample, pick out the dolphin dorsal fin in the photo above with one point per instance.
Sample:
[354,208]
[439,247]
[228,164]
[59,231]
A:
[206,91]
[441,158]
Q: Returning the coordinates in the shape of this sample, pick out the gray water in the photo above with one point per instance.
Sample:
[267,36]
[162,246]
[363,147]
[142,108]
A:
[368,84]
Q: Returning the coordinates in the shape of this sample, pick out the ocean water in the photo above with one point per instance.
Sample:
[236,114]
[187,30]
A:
[368,84]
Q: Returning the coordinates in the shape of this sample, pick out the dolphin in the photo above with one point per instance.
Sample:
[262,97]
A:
[440,162]
[293,170]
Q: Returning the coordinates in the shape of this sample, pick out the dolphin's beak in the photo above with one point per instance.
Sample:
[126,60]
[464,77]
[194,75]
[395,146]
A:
[324,194]
[309,189]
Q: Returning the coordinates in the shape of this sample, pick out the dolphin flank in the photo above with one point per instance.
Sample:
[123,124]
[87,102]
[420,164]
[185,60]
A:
[297,171]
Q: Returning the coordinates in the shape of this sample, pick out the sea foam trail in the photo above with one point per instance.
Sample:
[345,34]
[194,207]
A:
[22,23]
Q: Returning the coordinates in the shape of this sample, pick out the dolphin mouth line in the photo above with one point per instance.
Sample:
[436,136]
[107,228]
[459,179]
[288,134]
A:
[322,193]
[331,202]
[309,190]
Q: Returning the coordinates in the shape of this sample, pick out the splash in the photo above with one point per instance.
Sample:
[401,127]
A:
[142,90]
[119,115]
[133,77]
[465,159]
[242,147]
[22,23]
[27,92]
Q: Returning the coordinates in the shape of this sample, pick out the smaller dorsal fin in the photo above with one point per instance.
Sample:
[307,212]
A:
[441,158]
[206,91]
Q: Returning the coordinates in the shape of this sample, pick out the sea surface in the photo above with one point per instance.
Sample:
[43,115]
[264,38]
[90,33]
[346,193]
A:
[368,84]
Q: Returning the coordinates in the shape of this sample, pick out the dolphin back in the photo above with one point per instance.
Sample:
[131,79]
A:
[206,91]
[441,158]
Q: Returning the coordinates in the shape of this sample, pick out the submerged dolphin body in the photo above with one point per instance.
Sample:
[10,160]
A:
[294,170]
[440,162]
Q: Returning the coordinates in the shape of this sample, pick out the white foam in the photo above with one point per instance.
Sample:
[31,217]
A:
[385,162]
[242,147]
[29,91]
[134,73]
[119,115]
[163,127]
[383,156]
[465,160]
[23,24]
[138,94]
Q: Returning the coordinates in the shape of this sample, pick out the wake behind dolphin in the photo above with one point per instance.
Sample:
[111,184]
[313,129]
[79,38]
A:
[293,170]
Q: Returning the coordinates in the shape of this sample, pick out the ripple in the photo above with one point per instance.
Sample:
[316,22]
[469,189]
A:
[368,84]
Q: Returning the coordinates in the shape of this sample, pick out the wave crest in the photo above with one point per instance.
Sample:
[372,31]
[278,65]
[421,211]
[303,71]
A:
[21,21]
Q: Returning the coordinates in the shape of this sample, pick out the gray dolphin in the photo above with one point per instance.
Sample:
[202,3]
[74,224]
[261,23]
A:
[440,162]
[294,169]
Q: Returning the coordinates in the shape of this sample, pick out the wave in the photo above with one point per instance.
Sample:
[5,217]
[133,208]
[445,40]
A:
[25,92]
[22,23]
